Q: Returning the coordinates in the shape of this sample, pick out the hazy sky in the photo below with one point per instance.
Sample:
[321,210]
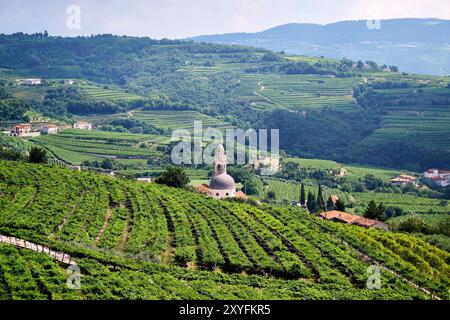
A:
[184,18]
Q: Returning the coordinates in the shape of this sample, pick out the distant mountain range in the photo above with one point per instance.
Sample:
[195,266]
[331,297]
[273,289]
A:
[415,45]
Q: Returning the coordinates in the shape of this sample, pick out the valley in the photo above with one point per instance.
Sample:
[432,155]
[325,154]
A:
[347,129]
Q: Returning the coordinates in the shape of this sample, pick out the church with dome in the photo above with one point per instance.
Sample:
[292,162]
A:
[222,185]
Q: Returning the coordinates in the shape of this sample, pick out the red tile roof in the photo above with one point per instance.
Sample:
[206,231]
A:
[202,188]
[349,218]
[241,195]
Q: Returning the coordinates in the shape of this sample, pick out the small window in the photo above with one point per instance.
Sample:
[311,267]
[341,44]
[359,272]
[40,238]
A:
[217,194]
[228,194]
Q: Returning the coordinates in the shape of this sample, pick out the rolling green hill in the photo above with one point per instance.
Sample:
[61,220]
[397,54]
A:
[172,243]
[324,108]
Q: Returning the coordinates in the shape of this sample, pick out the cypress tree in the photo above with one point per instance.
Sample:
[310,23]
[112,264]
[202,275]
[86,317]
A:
[320,201]
[312,203]
[330,204]
[371,211]
[302,195]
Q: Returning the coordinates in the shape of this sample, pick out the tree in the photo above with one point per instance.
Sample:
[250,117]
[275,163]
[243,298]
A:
[254,186]
[271,195]
[311,204]
[320,201]
[173,177]
[302,195]
[339,205]
[375,212]
[107,164]
[330,204]
[37,155]
[413,224]
[371,182]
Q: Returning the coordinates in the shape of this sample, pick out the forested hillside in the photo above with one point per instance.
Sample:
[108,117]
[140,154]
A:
[138,241]
[349,111]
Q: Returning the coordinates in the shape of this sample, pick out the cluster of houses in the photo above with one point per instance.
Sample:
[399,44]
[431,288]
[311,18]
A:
[30,82]
[82,125]
[26,129]
[38,82]
[438,176]
[404,180]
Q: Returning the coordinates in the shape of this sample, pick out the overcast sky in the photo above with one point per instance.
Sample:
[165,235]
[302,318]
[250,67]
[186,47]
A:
[184,18]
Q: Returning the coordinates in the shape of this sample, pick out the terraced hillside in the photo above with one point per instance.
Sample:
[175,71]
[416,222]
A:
[302,92]
[415,110]
[75,146]
[124,234]
[172,120]
[100,93]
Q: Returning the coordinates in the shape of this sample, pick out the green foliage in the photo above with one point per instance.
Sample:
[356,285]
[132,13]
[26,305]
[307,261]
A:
[374,211]
[37,155]
[116,229]
[339,205]
[11,108]
[173,177]
[302,195]
[413,223]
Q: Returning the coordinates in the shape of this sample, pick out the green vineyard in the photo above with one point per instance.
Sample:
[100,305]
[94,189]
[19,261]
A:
[302,92]
[172,120]
[137,241]
[75,146]
[108,94]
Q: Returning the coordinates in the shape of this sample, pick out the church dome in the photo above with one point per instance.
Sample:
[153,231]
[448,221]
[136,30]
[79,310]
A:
[222,181]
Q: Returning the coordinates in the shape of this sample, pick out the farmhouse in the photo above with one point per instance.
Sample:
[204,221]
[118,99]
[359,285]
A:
[347,218]
[438,176]
[23,129]
[82,125]
[271,164]
[30,82]
[404,180]
[49,128]
[69,82]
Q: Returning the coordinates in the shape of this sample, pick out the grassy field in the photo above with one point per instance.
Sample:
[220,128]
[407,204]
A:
[431,219]
[314,163]
[409,203]
[352,171]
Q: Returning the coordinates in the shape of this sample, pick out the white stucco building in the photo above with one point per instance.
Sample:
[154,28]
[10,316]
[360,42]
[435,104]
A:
[82,125]
[49,129]
[222,185]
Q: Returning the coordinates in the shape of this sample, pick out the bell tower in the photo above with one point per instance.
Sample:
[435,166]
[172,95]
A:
[220,161]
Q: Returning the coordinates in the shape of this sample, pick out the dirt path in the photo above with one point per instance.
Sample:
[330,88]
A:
[105,225]
[169,253]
